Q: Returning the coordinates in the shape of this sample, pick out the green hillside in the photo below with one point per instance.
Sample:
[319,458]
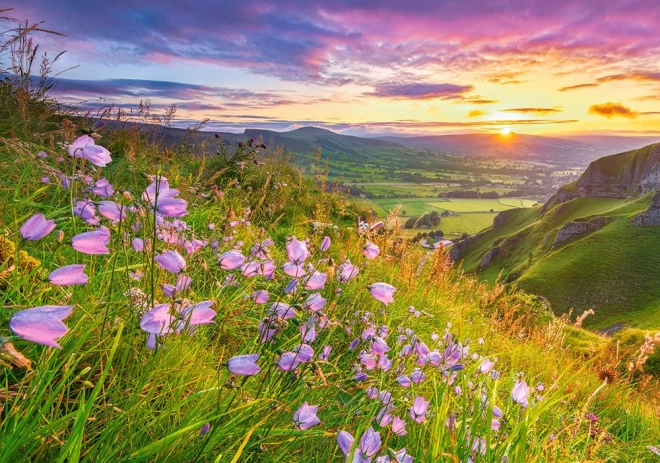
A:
[613,269]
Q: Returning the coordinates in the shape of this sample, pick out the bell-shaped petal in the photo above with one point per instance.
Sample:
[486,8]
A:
[520,393]
[297,251]
[68,275]
[158,320]
[260,297]
[41,325]
[199,314]
[370,250]
[305,417]
[382,292]
[92,242]
[171,261]
[231,260]
[36,227]
[244,365]
[315,281]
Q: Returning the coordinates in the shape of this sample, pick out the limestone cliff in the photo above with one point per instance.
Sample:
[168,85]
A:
[624,175]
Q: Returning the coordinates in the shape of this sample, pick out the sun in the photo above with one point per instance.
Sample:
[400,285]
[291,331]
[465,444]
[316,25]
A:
[506,131]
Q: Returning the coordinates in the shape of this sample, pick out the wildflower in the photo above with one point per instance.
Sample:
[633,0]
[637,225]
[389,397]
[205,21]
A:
[282,310]
[305,417]
[68,275]
[404,381]
[231,260]
[370,250]
[377,226]
[592,417]
[315,302]
[171,261]
[92,242]
[486,366]
[84,146]
[520,393]
[41,325]
[197,314]
[111,211]
[172,207]
[417,376]
[205,429]
[308,331]
[294,270]
[323,356]
[103,188]
[291,286]
[347,271]
[419,408]
[345,442]
[382,292]
[159,191]
[325,244]
[399,426]
[379,346]
[36,227]
[86,211]
[369,444]
[297,251]
[316,281]
[138,244]
[260,297]
[289,361]
[158,320]
[244,365]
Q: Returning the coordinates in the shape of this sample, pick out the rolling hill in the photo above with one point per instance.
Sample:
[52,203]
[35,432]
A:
[595,244]
[517,146]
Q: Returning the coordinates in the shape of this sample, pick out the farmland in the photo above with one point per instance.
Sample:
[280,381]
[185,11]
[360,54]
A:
[466,215]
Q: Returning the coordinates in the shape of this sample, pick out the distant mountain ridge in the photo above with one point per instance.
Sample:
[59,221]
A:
[517,146]
[307,140]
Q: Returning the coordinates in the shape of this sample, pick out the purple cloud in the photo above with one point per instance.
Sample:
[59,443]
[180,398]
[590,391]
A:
[421,91]
[339,42]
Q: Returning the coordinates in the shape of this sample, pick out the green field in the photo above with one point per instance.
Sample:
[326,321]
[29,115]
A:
[467,215]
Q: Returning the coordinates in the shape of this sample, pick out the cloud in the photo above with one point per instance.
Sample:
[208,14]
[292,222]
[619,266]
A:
[610,110]
[576,87]
[532,110]
[421,91]
[342,42]
[476,113]
[637,76]
[479,100]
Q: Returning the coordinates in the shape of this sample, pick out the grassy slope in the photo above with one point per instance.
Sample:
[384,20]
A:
[612,269]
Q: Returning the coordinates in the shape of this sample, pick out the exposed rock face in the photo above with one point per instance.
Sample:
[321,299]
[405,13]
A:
[624,175]
[650,217]
[578,229]
[487,259]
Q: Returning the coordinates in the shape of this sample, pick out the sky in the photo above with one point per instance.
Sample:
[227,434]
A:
[363,67]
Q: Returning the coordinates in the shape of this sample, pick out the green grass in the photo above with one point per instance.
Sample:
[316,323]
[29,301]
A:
[612,270]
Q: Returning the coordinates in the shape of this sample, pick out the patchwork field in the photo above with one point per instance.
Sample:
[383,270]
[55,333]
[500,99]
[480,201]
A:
[466,215]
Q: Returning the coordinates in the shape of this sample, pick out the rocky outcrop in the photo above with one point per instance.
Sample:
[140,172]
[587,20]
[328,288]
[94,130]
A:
[624,175]
[460,246]
[488,258]
[651,216]
[578,229]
